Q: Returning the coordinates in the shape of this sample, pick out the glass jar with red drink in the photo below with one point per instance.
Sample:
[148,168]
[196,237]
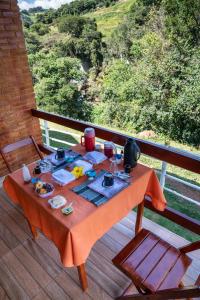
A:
[109,149]
[89,139]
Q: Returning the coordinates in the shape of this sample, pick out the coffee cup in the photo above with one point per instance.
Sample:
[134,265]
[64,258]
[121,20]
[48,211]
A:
[37,170]
[60,154]
[108,180]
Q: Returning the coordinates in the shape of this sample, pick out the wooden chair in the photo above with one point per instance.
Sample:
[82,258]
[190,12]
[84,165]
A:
[155,267]
[19,144]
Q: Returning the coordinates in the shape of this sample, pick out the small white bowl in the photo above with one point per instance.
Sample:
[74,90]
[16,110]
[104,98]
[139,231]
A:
[47,194]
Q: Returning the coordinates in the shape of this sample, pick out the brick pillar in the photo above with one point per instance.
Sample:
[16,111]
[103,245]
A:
[16,88]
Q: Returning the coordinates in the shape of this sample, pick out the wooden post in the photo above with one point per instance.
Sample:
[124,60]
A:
[163,174]
[46,129]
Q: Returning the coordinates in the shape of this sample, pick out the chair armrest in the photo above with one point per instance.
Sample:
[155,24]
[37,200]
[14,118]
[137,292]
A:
[190,247]
[45,149]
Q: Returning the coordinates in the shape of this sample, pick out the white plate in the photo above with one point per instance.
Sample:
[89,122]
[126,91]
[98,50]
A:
[57,201]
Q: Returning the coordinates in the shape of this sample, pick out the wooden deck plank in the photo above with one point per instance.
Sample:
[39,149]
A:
[9,283]
[103,280]
[104,250]
[35,269]
[70,287]
[8,237]
[30,286]
[94,291]
[118,236]
[109,269]
[20,220]
[3,295]
[42,258]
[48,279]
[55,292]
[110,243]
[13,226]
[3,249]
[6,203]
[41,296]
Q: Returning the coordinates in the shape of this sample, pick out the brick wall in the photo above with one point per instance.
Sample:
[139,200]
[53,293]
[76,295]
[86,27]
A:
[16,89]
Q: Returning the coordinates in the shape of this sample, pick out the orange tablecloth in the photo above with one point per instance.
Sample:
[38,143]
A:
[75,234]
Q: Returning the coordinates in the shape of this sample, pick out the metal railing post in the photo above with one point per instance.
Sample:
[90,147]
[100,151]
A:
[46,129]
[163,174]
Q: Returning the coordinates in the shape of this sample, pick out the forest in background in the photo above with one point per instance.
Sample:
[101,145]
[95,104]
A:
[142,74]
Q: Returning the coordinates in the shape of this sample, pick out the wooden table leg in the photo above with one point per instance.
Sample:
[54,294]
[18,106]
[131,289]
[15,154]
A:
[82,277]
[33,230]
[140,211]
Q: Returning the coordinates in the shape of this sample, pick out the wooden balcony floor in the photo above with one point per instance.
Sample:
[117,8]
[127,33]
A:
[32,270]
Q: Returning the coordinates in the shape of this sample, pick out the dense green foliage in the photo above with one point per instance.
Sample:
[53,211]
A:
[85,41]
[155,85]
[56,80]
[145,75]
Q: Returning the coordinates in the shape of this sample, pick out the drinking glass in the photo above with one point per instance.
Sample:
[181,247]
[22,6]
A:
[113,165]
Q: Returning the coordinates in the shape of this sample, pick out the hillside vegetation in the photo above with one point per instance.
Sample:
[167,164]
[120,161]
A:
[132,65]
[108,18]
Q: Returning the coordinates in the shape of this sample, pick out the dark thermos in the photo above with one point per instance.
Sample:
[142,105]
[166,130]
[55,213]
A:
[131,153]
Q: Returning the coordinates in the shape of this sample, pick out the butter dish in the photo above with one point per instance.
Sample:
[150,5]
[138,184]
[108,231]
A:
[67,210]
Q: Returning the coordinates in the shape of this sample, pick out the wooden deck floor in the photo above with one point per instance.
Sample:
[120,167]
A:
[32,270]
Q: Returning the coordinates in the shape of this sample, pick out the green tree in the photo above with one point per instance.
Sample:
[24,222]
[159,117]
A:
[39,28]
[183,20]
[72,25]
[56,85]
[33,44]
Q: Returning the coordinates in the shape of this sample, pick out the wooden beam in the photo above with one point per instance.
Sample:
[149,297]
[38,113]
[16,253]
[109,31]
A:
[180,158]
[176,216]
[179,293]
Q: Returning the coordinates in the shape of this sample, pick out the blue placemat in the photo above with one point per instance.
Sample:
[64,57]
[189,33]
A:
[92,196]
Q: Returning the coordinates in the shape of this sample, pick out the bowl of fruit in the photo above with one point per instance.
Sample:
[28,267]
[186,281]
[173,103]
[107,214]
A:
[44,189]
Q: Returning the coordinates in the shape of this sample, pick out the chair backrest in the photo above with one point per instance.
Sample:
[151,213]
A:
[19,144]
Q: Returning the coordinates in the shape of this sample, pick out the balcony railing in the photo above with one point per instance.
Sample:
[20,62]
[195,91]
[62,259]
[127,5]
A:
[166,154]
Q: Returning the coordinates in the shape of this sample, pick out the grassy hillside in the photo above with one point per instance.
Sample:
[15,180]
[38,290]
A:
[109,17]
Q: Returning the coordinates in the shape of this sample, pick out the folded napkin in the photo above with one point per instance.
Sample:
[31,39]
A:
[82,163]
[63,177]
[95,157]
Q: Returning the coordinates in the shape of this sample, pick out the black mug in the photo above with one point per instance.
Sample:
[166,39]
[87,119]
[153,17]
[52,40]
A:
[108,180]
[37,170]
[60,154]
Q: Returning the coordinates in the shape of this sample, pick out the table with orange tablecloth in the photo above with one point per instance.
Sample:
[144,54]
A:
[75,234]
